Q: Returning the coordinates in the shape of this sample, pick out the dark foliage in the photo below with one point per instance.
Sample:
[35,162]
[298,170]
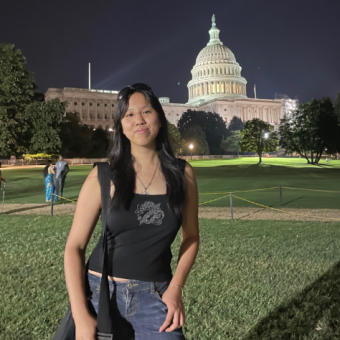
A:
[211,123]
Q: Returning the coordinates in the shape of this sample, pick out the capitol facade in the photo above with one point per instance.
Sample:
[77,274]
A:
[216,86]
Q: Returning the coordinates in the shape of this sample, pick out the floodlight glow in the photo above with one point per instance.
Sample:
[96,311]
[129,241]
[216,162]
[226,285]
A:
[266,135]
[191,146]
[110,129]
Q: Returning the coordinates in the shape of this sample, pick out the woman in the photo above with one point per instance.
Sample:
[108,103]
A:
[49,186]
[153,194]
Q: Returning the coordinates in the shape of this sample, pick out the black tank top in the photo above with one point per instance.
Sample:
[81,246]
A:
[139,240]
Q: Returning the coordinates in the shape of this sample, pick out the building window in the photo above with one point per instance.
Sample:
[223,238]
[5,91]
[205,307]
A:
[75,103]
[105,116]
[83,104]
[90,104]
[98,104]
[105,105]
[113,105]
[113,116]
[169,114]
[177,114]
[225,109]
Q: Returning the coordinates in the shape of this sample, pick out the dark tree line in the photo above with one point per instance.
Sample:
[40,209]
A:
[312,130]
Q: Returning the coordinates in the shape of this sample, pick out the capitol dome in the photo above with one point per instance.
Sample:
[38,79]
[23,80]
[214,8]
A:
[216,73]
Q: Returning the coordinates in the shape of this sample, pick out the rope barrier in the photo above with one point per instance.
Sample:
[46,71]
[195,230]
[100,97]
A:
[311,189]
[288,212]
[221,193]
[64,198]
[213,200]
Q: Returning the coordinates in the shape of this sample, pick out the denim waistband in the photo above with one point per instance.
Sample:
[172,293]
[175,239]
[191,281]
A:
[130,285]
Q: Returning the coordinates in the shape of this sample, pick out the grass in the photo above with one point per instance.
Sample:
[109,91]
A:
[216,176]
[252,279]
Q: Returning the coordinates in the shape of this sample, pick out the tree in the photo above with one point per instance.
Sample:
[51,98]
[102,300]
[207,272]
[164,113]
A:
[176,142]
[232,143]
[211,123]
[45,120]
[235,124]
[100,143]
[311,129]
[195,135]
[259,136]
[17,88]
[76,138]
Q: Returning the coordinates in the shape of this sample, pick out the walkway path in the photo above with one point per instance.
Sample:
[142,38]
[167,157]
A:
[204,212]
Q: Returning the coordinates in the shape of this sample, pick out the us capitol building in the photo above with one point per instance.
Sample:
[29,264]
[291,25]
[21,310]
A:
[216,86]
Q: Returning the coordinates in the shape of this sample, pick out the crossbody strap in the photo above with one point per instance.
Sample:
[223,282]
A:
[104,320]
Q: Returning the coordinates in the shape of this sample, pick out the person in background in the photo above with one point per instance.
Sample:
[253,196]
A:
[49,186]
[60,176]
[1,178]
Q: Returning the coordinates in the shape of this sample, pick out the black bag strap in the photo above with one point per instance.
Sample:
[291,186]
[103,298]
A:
[104,320]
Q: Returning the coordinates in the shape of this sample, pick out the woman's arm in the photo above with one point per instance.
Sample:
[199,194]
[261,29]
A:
[187,254]
[85,219]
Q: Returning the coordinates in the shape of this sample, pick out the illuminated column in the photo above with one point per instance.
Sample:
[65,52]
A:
[220,87]
[201,91]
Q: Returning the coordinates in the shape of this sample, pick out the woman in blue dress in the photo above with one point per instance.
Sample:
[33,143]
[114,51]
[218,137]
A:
[49,186]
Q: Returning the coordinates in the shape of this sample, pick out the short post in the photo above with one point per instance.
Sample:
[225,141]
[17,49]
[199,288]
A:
[52,204]
[231,205]
[280,196]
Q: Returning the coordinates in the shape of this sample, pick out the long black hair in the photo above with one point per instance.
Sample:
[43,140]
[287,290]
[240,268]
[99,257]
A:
[123,174]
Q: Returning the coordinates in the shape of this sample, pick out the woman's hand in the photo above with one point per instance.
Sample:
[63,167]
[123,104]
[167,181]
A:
[86,328]
[175,318]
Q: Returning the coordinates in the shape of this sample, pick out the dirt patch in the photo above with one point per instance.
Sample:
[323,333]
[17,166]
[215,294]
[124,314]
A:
[204,212]
[37,209]
[268,214]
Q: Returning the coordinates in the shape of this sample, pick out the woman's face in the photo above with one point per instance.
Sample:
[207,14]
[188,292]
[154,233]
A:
[141,122]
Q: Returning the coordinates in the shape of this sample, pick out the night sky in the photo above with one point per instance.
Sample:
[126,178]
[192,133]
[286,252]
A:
[289,47]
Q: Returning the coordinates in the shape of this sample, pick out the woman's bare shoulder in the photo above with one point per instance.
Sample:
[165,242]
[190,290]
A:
[93,173]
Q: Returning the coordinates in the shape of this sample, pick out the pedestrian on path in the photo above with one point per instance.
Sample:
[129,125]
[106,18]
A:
[49,185]
[1,178]
[60,176]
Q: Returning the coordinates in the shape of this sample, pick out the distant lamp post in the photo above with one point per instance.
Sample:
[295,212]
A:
[266,135]
[94,129]
[110,129]
[191,147]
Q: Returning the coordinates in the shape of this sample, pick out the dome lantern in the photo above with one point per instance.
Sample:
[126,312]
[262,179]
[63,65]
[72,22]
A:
[214,33]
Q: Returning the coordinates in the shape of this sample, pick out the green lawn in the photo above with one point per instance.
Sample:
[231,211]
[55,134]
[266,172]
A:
[252,279]
[216,176]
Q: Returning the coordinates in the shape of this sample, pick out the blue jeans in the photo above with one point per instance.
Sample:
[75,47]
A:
[138,309]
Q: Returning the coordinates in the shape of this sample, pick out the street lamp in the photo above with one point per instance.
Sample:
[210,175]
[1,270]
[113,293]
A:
[191,147]
[266,135]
